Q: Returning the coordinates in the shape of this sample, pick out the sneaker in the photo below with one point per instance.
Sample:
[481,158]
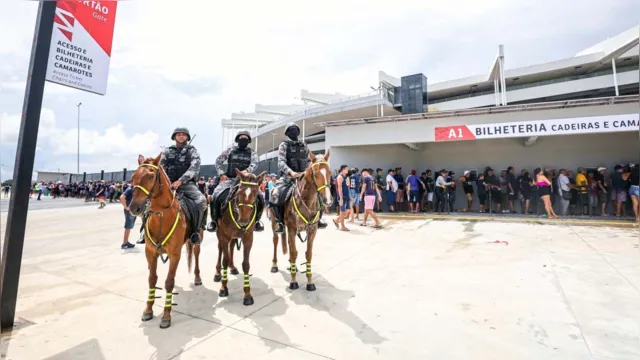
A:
[128,245]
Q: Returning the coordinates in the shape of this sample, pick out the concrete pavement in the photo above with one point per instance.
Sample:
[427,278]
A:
[423,289]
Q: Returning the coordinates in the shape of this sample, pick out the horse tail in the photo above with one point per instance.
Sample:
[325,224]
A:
[189,254]
[283,239]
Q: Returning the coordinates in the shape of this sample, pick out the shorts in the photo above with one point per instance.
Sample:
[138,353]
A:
[400,196]
[620,195]
[593,200]
[346,205]
[355,200]
[369,202]
[101,197]
[129,220]
[524,196]
[391,197]
[634,190]
[513,196]
[430,197]
[414,195]
[603,197]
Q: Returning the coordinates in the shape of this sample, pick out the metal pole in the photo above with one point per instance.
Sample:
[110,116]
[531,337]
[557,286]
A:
[303,130]
[257,142]
[615,76]
[25,155]
[78,165]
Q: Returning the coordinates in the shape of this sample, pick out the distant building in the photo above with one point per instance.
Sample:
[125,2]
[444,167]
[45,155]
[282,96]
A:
[49,176]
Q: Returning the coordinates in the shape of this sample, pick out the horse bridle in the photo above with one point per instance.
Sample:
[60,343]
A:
[149,194]
[239,204]
[318,189]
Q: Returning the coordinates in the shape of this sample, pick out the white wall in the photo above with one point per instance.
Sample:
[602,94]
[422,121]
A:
[419,131]
[553,151]
[538,92]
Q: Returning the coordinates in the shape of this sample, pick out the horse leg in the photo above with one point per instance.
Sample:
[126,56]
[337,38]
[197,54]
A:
[174,260]
[233,243]
[218,277]
[274,262]
[224,290]
[309,254]
[152,261]
[293,255]
[196,271]
[248,242]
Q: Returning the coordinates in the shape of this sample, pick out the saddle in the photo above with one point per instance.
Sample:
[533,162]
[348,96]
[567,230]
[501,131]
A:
[190,211]
[286,193]
[222,201]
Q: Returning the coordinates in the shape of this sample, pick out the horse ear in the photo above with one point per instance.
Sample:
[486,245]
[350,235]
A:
[261,177]
[156,161]
[312,156]
[326,156]
[238,172]
[140,159]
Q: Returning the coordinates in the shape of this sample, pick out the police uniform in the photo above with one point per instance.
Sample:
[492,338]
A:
[183,163]
[233,158]
[293,155]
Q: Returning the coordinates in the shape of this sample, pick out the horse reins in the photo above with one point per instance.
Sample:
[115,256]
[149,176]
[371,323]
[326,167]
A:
[158,213]
[316,217]
[239,204]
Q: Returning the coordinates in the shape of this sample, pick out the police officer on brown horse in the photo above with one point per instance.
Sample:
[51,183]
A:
[240,157]
[293,160]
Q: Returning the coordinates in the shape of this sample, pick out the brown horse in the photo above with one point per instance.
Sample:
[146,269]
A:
[235,226]
[302,212]
[165,230]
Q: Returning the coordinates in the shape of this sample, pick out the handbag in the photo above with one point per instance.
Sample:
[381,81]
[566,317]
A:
[566,195]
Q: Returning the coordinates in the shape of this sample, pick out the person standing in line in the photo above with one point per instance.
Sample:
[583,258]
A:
[368,194]
[634,189]
[467,187]
[129,219]
[343,198]
[354,187]
[392,187]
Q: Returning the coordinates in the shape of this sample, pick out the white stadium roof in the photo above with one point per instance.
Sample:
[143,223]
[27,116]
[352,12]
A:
[586,74]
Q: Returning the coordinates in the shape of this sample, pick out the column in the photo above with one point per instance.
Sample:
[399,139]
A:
[615,76]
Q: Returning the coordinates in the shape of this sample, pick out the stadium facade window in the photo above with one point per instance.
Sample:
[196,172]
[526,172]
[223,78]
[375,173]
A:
[413,89]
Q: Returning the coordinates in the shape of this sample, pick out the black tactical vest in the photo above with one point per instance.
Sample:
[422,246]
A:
[296,155]
[238,158]
[177,162]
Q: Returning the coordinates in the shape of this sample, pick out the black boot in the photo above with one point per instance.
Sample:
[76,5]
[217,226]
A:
[260,208]
[321,223]
[196,226]
[212,226]
[259,227]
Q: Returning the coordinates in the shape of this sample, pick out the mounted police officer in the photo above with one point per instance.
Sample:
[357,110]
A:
[240,157]
[293,160]
[181,162]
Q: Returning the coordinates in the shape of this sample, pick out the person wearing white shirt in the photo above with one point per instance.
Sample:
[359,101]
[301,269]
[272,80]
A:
[564,191]
[392,187]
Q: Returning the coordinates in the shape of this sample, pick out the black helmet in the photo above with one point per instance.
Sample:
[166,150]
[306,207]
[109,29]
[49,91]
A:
[289,126]
[243,132]
[181,130]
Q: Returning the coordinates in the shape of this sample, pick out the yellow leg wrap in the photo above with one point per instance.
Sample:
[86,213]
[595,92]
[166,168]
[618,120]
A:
[246,280]
[309,269]
[224,274]
[152,295]
[293,268]
[168,300]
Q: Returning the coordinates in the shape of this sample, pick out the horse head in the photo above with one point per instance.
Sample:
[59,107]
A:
[319,174]
[146,181]
[245,196]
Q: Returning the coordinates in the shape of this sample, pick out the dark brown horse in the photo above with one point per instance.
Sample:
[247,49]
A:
[301,213]
[235,226]
[165,230]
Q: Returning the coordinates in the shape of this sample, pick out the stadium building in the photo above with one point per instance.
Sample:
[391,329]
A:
[506,115]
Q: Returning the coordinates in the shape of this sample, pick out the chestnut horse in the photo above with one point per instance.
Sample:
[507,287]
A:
[165,230]
[235,226]
[302,212]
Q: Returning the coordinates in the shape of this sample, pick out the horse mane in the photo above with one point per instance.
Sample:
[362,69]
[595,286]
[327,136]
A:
[307,173]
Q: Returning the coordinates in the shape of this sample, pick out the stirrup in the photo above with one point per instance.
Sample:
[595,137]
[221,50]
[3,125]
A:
[279,228]
[212,227]
[259,227]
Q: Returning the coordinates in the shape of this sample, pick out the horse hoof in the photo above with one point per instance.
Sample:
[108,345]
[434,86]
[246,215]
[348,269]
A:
[311,287]
[247,301]
[165,323]
[234,271]
[274,269]
[217,278]
[223,293]
[197,281]
[293,286]
[146,316]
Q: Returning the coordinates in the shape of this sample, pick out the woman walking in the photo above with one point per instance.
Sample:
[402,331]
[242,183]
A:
[544,190]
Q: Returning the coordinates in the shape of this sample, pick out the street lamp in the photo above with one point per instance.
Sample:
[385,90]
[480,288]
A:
[78,161]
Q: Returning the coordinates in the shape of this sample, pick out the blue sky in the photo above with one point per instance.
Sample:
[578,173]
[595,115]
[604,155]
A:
[193,63]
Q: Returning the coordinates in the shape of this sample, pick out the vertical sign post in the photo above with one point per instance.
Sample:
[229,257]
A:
[26,151]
